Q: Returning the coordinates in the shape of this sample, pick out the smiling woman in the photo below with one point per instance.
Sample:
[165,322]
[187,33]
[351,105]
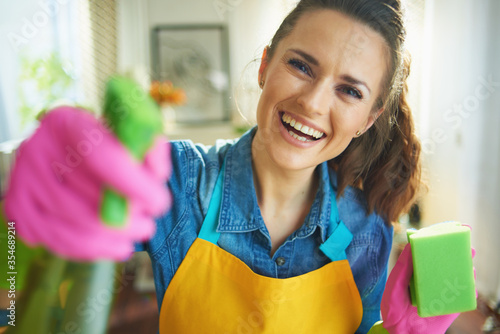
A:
[364,64]
[333,128]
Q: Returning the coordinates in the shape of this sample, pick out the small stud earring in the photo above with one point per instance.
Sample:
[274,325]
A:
[261,83]
[358,133]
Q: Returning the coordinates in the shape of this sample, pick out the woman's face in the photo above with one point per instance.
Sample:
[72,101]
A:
[323,80]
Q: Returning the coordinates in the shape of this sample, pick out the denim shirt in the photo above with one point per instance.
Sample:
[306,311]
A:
[244,234]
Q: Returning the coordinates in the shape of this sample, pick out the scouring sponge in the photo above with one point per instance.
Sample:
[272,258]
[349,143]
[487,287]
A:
[443,277]
[132,115]
[135,119]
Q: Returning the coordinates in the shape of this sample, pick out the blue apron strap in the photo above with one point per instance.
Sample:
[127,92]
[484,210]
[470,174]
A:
[339,237]
[208,230]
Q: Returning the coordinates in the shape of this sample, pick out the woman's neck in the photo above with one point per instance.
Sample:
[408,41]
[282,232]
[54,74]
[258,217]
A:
[284,196]
[275,184]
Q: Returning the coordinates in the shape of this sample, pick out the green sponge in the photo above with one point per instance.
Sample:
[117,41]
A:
[135,119]
[132,114]
[443,277]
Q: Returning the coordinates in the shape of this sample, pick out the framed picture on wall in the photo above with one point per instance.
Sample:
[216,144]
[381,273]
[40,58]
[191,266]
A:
[194,58]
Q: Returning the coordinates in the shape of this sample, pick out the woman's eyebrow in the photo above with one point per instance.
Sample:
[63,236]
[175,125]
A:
[306,56]
[354,81]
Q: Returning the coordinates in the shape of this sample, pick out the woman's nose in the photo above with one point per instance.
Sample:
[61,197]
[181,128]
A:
[316,98]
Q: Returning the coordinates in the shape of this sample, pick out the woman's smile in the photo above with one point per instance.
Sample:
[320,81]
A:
[299,132]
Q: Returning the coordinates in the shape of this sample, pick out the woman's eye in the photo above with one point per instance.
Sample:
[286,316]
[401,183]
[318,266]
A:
[351,92]
[300,65]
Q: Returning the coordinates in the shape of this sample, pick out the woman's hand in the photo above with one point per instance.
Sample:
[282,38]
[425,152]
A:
[57,182]
[398,314]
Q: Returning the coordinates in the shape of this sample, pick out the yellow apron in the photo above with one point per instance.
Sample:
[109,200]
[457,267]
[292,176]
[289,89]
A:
[215,292]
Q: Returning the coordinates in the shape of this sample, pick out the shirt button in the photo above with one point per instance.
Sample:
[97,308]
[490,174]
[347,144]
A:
[280,261]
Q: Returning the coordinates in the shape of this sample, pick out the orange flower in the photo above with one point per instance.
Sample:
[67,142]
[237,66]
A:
[165,93]
[178,96]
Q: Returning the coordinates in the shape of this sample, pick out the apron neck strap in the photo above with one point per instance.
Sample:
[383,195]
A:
[339,237]
[208,230]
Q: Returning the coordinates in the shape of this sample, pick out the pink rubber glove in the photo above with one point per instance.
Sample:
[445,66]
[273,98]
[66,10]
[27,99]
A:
[57,182]
[398,314]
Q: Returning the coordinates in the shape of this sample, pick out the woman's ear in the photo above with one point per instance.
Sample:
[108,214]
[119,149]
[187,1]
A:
[372,118]
[263,65]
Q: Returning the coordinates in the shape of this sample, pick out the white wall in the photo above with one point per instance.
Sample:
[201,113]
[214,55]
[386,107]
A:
[184,12]
[487,206]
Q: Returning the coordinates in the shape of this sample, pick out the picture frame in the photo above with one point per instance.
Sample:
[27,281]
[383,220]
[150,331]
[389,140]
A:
[195,58]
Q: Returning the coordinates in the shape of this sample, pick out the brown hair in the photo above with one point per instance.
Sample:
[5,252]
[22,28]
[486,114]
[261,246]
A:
[385,161]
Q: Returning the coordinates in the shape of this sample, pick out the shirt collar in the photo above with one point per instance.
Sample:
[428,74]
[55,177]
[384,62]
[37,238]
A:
[239,210]
[239,201]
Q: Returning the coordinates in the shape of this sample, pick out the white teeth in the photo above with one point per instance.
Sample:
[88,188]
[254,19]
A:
[302,128]
[298,137]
